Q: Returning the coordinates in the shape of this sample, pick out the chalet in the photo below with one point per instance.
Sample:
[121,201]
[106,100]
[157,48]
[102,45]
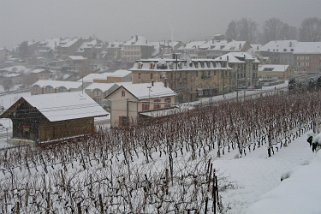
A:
[129,101]
[50,117]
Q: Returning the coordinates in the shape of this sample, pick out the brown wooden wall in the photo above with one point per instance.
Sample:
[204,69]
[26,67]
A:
[62,129]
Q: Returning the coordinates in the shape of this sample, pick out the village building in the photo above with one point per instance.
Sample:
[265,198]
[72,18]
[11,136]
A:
[55,86]
[189,78]
[98,92]
[108,77]
[279,51]
[307,56]
[50,117]
[268,71]
[68,46]
[129,101]
[77,64]
[244,69]
[213,48]
[112,51]
[91,48]
[136,48]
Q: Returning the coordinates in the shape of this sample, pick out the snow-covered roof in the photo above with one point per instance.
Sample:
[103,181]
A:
[137,40]
[58,84]
[234,46]
[280,46]
[50,43]
[66,43]
[308,48]
[93,76]
[66,106]
[103,76]
[115,44]
[39,70]
[101,86]
[270,67]
[236,57]
[194,45]
[94,43]
[17,69]
[119,73]
[146,90]
[77,58]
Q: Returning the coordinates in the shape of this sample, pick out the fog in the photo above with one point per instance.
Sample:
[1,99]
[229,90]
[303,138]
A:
[156,19]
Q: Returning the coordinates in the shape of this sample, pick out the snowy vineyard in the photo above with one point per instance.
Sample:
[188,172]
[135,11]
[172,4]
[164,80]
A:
[164,167]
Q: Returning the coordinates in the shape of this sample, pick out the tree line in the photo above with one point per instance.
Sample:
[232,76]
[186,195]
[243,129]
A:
[247,29]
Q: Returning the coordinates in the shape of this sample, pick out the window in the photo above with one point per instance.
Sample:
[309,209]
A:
[97,93]
[157,104]
[123,93]
[167,102]
[139,75]
[151,75]
[145,106]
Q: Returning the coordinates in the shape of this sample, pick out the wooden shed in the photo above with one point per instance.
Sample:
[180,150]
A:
[48,117]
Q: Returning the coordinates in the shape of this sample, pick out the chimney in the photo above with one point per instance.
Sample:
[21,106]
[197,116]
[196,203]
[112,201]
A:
[165,83]
[152,82]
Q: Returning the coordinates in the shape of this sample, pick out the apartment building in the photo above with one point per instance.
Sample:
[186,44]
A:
[136,48]
[244,69]
[190,79]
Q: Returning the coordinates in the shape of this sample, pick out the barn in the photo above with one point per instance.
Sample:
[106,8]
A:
[48,117]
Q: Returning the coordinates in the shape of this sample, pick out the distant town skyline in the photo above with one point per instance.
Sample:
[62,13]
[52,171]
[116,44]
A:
[155,19]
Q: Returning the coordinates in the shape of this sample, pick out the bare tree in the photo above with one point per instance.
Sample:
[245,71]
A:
[244,29]
[275,29]
[231,32]
[310,30]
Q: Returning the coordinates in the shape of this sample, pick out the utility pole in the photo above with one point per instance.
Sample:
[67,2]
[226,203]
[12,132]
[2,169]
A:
[237,86]
[149,89]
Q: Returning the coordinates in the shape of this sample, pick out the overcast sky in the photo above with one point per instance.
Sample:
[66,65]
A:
[155,19]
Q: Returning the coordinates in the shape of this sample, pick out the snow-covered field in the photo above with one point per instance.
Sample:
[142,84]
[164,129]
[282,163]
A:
[253,181]
[256,174]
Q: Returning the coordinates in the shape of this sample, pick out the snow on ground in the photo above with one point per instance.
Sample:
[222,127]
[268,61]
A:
[300,193]
[257,178]
[256,174]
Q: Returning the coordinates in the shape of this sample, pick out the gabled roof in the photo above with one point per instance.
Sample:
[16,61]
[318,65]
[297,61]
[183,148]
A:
[57,84]
[193,45]
[77,58]
[119,73]
[64,106]
[308,48]
[146,90]
[270,67]
[280,46]
[103,76]
[236,57]
[234,46]
[101,86]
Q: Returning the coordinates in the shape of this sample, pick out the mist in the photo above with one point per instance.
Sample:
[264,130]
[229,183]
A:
[157,20]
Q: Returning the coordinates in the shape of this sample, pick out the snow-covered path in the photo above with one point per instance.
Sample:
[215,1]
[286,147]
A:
[256,174]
